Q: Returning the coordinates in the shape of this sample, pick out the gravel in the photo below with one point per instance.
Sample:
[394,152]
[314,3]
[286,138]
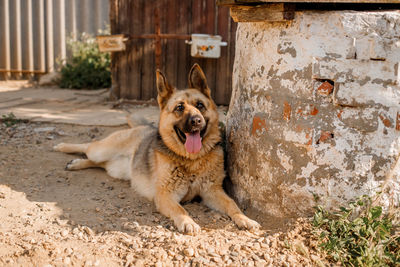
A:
[52,217]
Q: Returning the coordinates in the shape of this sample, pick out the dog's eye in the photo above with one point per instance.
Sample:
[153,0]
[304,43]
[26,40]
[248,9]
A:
[180,107]
[200,105]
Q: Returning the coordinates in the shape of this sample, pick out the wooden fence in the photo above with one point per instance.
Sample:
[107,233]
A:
[133,70]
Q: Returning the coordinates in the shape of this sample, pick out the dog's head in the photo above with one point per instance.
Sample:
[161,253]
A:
[188,118]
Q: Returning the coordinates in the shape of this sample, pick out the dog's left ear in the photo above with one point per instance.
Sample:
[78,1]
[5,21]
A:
[198,80]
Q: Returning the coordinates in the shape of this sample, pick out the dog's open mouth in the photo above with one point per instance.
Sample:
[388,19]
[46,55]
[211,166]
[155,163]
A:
[192,140]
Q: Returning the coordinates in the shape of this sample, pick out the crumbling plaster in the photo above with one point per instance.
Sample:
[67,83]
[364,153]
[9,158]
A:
[315,111]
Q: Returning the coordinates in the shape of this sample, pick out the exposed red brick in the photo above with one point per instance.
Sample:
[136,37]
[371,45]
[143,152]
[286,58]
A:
[309,143]
[314,111]
[258,124]
[398,121]
[385,121]
[298,128]
[325,136]
[325,88]
[309,136]
[339,115]
[287,110]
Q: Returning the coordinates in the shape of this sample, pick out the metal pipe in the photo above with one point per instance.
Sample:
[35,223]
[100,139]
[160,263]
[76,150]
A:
[23,71]
[61,16]
[161,36]
[73,19]
[7,52]
[50,38]
[30,36]
[42,49]
[17,30]
[97,16]
[87,19]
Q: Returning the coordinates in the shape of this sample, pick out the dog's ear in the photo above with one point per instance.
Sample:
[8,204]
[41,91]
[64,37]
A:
[165,90]
[198,80]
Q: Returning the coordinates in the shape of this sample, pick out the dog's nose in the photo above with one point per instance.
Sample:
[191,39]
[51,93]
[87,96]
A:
[195,120]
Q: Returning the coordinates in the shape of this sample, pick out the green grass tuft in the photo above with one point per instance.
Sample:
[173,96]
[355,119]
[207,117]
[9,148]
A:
[9,120]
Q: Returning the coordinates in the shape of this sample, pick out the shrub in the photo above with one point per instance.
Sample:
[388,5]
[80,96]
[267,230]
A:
[87,67]
[359,235]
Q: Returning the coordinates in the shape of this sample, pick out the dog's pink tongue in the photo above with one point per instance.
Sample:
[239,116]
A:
[193,142]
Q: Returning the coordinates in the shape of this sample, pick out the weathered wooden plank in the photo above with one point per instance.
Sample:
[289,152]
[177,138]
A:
[123,72]
[171,48]
[183,55]
[242,2]
[209,66]
[115,92]
[197,24]
[148,56]
[135,50]
[265,12]
[222,69]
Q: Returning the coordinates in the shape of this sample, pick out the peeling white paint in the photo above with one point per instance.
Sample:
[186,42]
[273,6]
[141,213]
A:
[335,146]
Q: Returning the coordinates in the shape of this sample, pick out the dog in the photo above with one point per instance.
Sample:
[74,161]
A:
[180,159]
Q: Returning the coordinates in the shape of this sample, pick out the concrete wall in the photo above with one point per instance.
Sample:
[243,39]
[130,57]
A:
[315,111]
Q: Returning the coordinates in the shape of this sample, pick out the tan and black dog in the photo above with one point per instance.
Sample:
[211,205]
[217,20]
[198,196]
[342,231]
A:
[181,159]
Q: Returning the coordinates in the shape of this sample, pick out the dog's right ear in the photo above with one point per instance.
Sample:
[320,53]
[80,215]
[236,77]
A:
[165,90]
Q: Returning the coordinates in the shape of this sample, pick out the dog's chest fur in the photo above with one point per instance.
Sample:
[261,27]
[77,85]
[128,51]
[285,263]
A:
[186,179]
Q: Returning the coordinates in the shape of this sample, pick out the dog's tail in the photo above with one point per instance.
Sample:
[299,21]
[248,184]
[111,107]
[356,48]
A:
[135,120]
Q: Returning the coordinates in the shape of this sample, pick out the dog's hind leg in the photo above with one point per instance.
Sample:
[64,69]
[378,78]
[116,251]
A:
[79,164]
[71,148]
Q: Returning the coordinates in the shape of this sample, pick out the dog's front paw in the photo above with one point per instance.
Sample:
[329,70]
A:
[243,222]
[188,226]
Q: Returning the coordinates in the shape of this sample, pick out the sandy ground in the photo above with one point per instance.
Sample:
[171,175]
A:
[53,217]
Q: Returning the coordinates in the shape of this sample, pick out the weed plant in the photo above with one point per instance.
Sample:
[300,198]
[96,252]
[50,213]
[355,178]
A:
[87,68]
[9,120]
[358,235]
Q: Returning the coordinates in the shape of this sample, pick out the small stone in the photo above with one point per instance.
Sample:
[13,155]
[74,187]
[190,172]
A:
[159,264]
[189,252]
[234,254]
[44,129]
[64,233]
[97,209]
[179,257]
[96,263]
[267,258]
[67,261]
[88,231]
[88,263]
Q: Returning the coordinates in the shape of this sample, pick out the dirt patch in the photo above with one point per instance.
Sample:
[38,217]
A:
[53,217]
